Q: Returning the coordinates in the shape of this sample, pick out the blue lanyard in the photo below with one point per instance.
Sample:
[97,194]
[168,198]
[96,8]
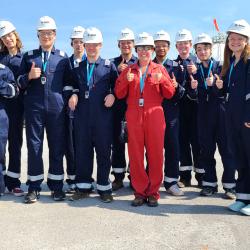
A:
[142,78]
[230,73]
[45,60]
[208,73]
[89,74]
[164,61]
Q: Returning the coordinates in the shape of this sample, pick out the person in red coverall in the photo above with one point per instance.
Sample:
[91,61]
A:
[145,84]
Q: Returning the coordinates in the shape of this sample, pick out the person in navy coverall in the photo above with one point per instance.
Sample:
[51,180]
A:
[211,121]
[171,112]
[43,74]
[93,118]
[188,134]
[118,160]
[235,87]
[8,89]
[11,56]
[77,56]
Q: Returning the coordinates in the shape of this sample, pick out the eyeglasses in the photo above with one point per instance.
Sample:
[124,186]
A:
[9,35]
[46,33]
[145,48]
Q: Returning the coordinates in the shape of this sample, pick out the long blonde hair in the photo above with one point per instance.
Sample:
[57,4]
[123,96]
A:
[228,54]
[19,44]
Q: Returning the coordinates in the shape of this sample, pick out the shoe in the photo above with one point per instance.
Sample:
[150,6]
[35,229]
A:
[184,183]
[31,197]
[71,189]
[175,190]
[208,191]
[152,201]
[78,195]
[138,201]
[246,210]
[117,184]
[237,206]
[17,191]
[58,195]
[230,194]
[106,198]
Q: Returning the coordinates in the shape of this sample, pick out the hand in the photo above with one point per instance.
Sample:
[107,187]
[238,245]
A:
[109,100]
[130,76]
[210,80]
[194,83]
[219,82]
[122,65]
[191,68]
[34,72]
[174,82]
[157,76]
[247,124]
[73,100]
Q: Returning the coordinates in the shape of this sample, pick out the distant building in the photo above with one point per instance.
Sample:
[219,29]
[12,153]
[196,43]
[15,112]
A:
[218,46]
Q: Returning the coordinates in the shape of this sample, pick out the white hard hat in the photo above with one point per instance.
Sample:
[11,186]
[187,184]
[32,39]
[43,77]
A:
[183,35]
[6,27]
[161,36]
[240,27]
[126,34]
[92,35]
[46,23]
[144,39]
[77,32]
[203,38]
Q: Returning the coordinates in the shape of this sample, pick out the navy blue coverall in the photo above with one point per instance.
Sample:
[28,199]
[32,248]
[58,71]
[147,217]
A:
[44,109]
[188,134]
[236,91]
[93,124]
[118,159]
[171,140]
[212,129]
[15,111]
[8,89]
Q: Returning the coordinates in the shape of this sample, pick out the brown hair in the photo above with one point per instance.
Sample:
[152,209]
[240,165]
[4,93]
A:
[228,54]
[19,44]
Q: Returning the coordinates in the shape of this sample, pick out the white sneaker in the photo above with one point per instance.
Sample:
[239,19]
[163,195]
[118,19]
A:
[175,190]
[246,210]
[237,206]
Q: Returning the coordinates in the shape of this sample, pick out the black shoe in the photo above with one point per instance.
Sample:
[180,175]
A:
[208,191]
[117,184]
[152,201]
[106,198]
[58,195]
[184,183]
[31,197]
[78,195]
[230,194]
[138,201]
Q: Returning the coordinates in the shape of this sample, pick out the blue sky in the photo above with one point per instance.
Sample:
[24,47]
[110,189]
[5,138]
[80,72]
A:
[111,16]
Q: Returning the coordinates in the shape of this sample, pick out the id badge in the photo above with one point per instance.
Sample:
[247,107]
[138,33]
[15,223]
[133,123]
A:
[141,102]
[227,97]
[43,79]
[86,95]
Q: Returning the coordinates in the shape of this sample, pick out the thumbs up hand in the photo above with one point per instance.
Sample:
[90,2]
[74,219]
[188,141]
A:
[210,80]
[157,76]
[174,82]
[191,68]
[130,76]
[219,82]
[122,65]
[34,72]
[194,83]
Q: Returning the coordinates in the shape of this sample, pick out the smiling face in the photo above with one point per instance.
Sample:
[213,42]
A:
[144,53]
[236,42]
[161,48]
[183,48]
[9,40]
[203,51]
[126,46]
[93,49]
[47,38]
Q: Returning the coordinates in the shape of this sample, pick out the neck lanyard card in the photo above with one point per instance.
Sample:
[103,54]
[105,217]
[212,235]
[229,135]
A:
[89,76]
[45,59]
[142,83]
[229,80]
[208,73]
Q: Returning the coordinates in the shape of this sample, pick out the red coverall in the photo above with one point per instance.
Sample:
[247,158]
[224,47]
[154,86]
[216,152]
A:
[146,126]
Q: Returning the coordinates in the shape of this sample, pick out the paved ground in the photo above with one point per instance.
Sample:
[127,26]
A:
[189,222]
